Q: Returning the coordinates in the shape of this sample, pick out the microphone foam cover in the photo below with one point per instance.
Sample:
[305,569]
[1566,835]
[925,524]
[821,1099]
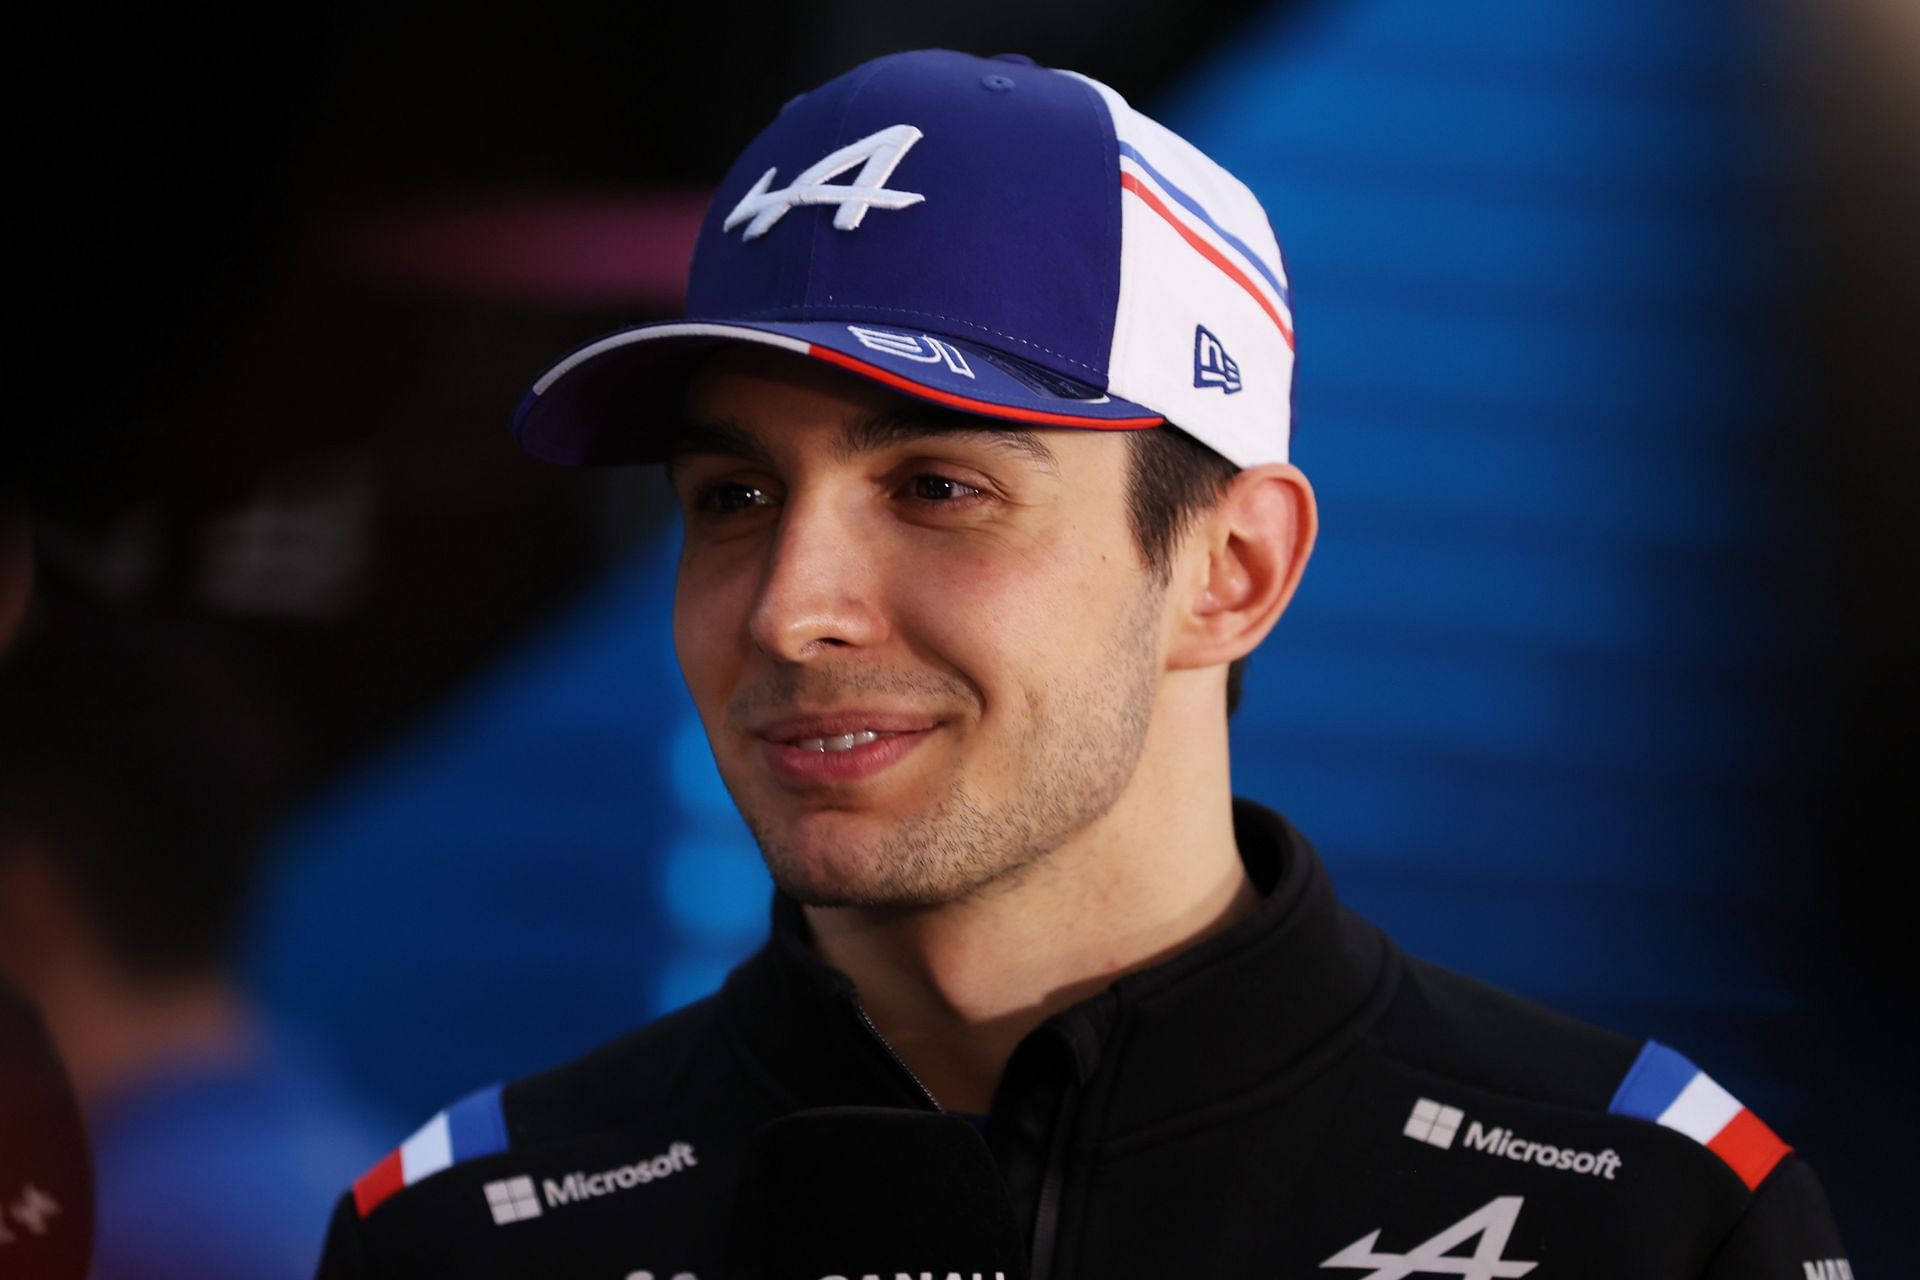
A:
[853,1192]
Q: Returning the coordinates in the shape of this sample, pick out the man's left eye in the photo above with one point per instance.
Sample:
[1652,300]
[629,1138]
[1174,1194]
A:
[932,488]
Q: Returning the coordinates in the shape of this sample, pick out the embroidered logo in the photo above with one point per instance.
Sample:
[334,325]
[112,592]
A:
[1433,1123]
[877,154]
[1492,1222]
[1438,1126]
[516,1199]
[31,1210]
[913,346]
[1212,366]
[512,1200]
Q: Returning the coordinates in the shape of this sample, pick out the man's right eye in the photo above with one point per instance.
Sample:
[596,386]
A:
[731,497]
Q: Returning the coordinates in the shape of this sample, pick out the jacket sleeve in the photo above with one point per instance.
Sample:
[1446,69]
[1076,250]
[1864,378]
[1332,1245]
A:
[344,1257]
[1786,1233]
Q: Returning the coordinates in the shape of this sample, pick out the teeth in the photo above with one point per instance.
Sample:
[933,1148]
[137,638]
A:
[845,742]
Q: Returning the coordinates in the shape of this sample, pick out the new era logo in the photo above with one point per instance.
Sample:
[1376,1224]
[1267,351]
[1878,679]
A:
[512,1200]
[1433,1124]
[1212,366]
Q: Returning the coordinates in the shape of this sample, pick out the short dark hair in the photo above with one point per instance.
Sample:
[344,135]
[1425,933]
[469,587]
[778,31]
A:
[1171,479]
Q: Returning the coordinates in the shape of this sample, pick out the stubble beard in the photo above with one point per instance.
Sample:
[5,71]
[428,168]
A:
[1084,736]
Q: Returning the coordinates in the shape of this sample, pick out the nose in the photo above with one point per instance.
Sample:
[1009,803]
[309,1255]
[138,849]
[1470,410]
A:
[820,590]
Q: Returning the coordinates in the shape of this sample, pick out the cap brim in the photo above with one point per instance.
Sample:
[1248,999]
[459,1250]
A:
[617,399]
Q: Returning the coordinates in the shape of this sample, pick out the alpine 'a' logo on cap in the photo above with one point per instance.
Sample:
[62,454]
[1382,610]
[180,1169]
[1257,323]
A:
[1212,366]
[877,154]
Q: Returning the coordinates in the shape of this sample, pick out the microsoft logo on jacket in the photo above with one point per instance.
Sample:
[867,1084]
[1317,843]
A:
[1438,1126]
[515,1199]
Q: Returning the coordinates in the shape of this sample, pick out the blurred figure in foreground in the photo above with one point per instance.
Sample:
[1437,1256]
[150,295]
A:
[46,1182]
[133,780]
[16,561]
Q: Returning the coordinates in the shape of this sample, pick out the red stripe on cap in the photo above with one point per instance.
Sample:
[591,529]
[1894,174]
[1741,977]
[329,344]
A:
[1208,252]
[982,407]
[379,1182]
[1749,1147]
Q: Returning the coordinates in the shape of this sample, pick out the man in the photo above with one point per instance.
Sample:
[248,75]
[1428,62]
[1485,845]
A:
[979,427]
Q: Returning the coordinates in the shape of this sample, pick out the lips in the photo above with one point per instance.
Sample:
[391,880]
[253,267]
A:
[811,751]
[842,742]
[790,730]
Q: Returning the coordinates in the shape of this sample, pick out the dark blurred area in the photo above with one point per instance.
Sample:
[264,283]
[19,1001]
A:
[290,285]
[1856,111]
[286,286]
[138,778]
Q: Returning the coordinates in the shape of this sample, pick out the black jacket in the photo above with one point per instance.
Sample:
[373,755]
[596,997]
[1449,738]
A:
[1293,1097]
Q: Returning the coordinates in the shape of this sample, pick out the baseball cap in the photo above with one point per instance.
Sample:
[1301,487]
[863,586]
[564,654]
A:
[986,234]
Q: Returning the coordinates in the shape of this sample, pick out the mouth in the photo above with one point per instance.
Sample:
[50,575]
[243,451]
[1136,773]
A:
[840,742]
[846,747]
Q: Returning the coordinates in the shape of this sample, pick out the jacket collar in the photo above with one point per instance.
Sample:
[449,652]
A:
[1272,997]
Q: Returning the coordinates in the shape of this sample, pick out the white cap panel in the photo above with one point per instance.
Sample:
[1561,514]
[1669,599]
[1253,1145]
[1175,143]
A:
[1168,293]
[1200,268]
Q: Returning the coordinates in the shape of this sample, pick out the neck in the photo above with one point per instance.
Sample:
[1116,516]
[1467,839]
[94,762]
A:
[955,988]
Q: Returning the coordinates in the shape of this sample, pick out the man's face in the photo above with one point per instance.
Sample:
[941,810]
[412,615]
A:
[924,658]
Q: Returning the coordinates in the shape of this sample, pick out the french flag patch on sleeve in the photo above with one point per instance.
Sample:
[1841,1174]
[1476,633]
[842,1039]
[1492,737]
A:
[1662,1086]
[473,1127]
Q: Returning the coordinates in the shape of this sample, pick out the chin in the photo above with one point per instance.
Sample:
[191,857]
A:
[826,860]
[946,854]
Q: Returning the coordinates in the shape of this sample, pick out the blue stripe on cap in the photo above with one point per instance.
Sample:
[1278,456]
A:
[1652,1083]
[476,1125]
[1192,206]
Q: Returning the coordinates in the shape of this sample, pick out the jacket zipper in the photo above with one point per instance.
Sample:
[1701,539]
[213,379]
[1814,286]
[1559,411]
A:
[1046,1218]
[1046,1223]
[897,1059]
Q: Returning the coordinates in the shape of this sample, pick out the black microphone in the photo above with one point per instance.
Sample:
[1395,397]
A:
[46,1179]
[847,1193]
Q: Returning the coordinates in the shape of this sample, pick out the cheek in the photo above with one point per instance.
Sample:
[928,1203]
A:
[1005,618]
[710,611]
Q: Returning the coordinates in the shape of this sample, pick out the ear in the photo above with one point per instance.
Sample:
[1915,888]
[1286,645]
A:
[1240,564]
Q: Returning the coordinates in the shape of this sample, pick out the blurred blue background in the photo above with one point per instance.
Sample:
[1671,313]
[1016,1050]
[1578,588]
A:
[1562,699]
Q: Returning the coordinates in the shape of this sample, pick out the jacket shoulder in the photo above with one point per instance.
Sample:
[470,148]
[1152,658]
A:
[1502,1044]
[637,1077]
[1447,1023]
[640,1076]
[473,1166]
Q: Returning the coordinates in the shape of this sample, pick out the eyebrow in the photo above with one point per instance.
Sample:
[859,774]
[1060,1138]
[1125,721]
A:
[718,439]
[868,435]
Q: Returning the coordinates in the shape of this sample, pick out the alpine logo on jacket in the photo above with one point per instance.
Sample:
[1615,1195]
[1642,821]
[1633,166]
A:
[1438,1126]
[1828,1269]
[1493,1222]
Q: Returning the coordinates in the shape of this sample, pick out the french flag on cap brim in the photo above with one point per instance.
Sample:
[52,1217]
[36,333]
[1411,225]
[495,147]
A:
[473,1127]
[1662,1086]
